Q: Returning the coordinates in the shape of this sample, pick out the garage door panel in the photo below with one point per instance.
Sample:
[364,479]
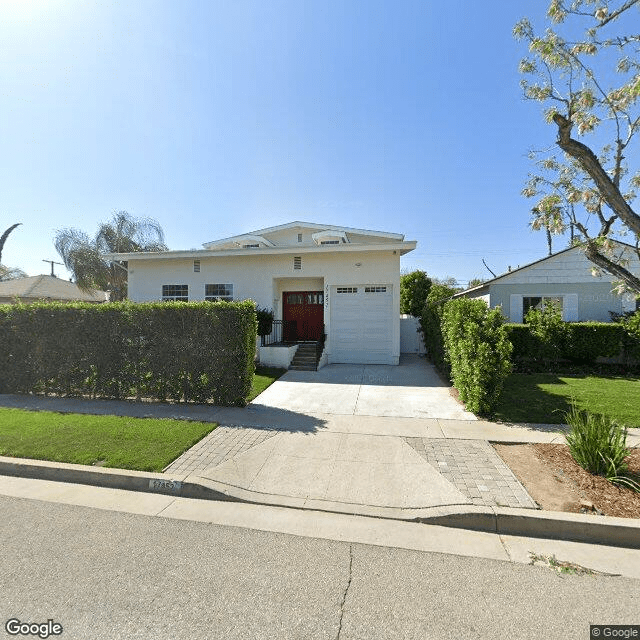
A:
[362,326]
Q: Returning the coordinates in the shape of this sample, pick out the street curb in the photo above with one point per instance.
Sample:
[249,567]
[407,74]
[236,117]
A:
[145,481]
[592,529]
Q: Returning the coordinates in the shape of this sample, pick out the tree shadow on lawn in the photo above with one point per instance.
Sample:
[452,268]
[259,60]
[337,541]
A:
[524,400]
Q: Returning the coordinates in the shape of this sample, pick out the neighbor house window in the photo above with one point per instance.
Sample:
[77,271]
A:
[175,292]
[297,262]
[250,246]
[215,292]
[330,242]
[538,302]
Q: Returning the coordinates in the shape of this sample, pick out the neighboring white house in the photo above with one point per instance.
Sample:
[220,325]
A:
[343,281]
[566,278]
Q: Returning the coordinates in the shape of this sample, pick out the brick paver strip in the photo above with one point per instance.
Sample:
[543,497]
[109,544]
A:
[221,444]
[475,469]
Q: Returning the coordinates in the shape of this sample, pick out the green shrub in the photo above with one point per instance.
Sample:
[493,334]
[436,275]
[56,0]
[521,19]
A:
[587,341]
[526,345]
[431,326]
[550,341]
[414,289]
[265,321]
[631,337]
[549,329]
[478,350]
[599,445]
[196,351]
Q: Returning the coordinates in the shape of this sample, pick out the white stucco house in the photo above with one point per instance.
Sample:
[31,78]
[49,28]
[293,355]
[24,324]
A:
[320,278]
[566,278]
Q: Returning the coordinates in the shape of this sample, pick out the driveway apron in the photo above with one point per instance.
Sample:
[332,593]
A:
[412,389]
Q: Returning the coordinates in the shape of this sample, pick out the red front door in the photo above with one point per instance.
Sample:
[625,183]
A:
[303,313]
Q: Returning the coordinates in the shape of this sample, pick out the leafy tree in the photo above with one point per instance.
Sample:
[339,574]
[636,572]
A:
[414,289]
[85,256]
[11,273]
[585,69]
[475,282]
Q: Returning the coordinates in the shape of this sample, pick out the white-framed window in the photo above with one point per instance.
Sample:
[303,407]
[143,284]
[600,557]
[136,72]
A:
[519,304]
[375,289]
[347,290]
[538,302]
[215,292]
[299,237]
[175,292]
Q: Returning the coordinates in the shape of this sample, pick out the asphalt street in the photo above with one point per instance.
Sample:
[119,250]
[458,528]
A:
[112,575]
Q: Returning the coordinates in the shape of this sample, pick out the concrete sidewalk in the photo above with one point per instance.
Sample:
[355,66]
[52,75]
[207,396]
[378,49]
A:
[426,469]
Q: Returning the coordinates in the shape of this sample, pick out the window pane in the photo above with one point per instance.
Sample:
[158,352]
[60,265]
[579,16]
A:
[215,292]
[175,292]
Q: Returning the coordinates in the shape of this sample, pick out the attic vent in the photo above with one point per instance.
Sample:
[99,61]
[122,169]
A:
[196,266]
[297,262]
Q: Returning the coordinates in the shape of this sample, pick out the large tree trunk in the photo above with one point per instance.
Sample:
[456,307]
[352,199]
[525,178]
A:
[610,194]
[614,269]
[5,235]
[590,163]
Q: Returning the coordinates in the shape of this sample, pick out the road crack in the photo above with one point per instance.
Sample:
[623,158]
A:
[346,590]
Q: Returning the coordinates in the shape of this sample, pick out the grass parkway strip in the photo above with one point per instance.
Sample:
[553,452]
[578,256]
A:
[141,444]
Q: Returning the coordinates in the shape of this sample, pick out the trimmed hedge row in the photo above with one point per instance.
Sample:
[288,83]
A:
[580,342]
[194,351]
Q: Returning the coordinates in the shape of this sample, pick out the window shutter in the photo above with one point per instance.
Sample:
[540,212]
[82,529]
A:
[515,308]
[570,307]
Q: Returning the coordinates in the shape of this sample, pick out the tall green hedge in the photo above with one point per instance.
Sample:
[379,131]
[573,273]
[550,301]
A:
[582,342]
[479,351]
[431,326]
[195,351]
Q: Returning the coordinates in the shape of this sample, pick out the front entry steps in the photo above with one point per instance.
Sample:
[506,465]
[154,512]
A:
[306,357]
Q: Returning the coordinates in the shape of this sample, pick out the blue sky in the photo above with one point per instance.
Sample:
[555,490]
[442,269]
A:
[218,118]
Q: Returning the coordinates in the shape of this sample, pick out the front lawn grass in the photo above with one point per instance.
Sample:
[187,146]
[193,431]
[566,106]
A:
[142,444]
[263,377]
[544,397]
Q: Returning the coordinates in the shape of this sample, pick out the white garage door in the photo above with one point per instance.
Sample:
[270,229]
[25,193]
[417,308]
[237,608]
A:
[362,324]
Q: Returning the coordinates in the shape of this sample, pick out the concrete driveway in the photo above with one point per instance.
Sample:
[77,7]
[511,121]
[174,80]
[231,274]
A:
[412,389]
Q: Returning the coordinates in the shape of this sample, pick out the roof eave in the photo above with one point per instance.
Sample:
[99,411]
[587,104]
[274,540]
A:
[402,247]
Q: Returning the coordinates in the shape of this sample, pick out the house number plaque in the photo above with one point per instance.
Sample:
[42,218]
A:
[170,486]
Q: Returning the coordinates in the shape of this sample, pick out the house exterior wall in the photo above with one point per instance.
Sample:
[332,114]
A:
[568,275]
[567,267]
[594,298]
[263,278]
